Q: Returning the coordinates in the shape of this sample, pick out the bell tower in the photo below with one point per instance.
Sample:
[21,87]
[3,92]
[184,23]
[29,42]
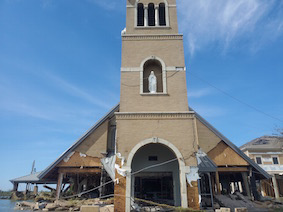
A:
[154,123]
[151,43]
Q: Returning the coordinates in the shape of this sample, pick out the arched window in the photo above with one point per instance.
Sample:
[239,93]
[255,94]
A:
[151,15]
[162,16]
[140,21]
[156,67]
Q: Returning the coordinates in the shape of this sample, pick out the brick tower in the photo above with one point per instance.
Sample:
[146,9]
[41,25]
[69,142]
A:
[154,124]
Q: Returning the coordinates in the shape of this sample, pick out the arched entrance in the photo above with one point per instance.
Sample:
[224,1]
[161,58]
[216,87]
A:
[161,182]
[183,169]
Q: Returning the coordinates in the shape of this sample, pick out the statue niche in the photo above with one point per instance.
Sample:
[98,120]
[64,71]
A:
[152,77]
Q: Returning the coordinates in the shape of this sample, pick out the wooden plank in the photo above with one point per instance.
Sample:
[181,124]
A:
[246,183]
[78,160]
[217,183]
[223,155]
[59,185]
[232,169]
[78,170]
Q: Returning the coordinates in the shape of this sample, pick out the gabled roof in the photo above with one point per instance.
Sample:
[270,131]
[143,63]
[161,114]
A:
[265,143]
[79,141]
[28,178]
[231,145]
[32,178]
[116,108]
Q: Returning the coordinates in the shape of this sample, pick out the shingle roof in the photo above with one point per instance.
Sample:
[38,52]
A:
[32,178]
[266,143]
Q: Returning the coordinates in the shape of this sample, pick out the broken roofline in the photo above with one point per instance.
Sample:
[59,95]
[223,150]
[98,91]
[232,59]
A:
[79,141]
[201,119]
[233,146]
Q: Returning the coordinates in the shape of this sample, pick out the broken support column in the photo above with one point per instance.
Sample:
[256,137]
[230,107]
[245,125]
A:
[275,186]
[59,185]
[246,183]
[35,190]
[15,187]
[217,183]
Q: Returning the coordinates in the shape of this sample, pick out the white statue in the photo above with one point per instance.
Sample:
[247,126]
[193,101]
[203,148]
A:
[152,83]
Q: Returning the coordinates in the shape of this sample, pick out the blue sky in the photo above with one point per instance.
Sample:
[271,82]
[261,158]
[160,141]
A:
[60,71]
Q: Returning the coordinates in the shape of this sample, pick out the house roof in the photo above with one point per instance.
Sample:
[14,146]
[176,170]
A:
[202,120]
[32,178]
[79,141]
[231,145]
[205,164]
[264,143]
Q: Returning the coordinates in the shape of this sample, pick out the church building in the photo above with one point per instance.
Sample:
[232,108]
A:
[152,145]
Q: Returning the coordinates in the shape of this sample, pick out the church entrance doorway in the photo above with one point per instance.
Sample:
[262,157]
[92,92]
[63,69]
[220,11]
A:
[155,170]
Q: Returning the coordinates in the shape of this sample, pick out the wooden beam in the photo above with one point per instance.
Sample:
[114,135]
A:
[217,183]
[59,185]
[15,187]
[246,183]
[232,169]
[79,170]
[275,187]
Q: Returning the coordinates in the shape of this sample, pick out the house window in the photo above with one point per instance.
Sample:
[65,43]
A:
[275,160]
[258,160]
[162,17]
[151,15]
[140,15]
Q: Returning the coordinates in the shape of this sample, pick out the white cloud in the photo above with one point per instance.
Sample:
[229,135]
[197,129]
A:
[228,22]
[76,91]
[199,93]
[210,111]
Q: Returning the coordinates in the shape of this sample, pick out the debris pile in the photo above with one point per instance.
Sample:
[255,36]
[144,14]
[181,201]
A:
[64,205]
[237,200]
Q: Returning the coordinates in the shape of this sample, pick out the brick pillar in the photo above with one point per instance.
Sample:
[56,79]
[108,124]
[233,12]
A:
[119,192]
[193,195]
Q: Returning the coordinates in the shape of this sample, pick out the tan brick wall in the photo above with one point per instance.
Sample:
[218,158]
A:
[135,51]
[178,132]
[132,101]
[193,196]
[96,142]
[207,139]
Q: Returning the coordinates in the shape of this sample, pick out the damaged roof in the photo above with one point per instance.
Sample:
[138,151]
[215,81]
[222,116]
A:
[32,178]
[79,141]
[206,165]
[266,143]
[232,146]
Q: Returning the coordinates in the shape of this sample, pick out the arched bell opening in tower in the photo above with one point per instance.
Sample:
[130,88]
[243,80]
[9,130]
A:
[152,67]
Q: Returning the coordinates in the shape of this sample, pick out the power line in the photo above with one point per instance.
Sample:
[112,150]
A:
[235,98]
[117,179]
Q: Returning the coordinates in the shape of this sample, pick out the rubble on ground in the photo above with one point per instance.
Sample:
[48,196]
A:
[66,205]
